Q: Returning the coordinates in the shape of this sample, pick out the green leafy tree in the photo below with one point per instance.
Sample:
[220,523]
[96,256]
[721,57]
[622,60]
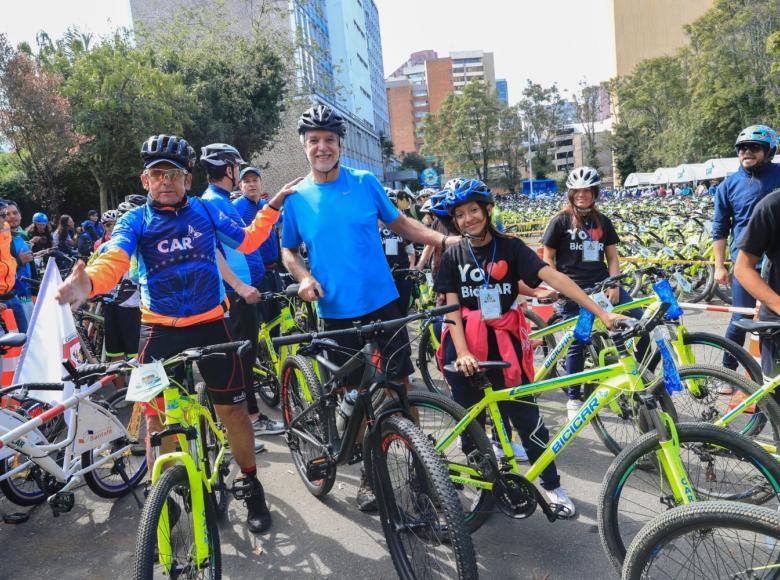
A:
[388,151]
[544,113]
[36,120]
[463,132]
[510,151]
[118,98]
[586,110]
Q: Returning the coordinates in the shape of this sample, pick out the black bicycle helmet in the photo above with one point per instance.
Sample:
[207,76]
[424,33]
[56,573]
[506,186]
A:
[219,154]
[170,148]
[323,118]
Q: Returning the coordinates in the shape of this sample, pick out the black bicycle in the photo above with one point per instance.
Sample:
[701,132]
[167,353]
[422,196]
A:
[421,515]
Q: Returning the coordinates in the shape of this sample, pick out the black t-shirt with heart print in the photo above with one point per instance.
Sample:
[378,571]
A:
[514,261]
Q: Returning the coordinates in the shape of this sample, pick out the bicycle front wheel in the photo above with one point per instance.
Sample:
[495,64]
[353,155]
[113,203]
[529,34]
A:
[168,515]
[420,512]
[720,464]
[718,540]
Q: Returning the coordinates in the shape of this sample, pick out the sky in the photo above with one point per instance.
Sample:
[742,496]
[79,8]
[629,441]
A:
[547,41]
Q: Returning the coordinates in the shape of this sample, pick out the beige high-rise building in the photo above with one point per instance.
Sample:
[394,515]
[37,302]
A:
[650,28]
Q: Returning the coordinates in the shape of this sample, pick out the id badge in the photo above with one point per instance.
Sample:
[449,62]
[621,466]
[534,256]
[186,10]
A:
[429,279]
[490,303]
[601,299]
[590,251]
[391,247]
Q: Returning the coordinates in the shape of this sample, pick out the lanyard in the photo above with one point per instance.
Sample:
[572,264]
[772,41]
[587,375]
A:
[492,263]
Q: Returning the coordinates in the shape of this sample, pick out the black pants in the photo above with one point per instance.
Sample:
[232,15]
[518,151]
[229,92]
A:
[244,326]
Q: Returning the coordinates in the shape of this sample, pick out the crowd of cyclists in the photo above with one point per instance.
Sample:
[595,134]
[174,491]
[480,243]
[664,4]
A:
[186,269]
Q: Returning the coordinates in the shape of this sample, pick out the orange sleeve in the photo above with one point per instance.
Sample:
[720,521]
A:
[106,271]
[7,261]
[257,232]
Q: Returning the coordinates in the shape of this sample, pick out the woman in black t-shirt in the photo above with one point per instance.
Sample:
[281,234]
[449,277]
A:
[483,275]
[581,242]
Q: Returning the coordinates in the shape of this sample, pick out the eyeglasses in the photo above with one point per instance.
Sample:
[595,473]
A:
[160,174]
[752,147]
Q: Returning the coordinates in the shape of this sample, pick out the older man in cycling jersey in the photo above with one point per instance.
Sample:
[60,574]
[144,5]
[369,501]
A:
[335,214]
[182,297]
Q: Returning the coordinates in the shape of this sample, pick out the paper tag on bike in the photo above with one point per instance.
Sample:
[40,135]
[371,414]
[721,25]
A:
[601,299]
[590,251]
[655,222]
[669,252]
[682,282]
[429,279]
[644,252]
[146,382]
[490,303]
[391,246]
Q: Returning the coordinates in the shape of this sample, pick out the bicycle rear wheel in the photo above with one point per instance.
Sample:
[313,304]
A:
[106,480]
[720,464]
[266,382]
[300,390]
[419,509]
[168,514]
[714,540]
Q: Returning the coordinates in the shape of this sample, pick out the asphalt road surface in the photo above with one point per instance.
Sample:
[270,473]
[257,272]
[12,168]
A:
[328,538]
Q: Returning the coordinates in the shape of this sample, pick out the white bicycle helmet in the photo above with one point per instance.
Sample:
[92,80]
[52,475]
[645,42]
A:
[583,177]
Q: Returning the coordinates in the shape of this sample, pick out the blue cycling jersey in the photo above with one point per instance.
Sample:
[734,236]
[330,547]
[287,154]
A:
[269,251]
[338,223]
[248,267]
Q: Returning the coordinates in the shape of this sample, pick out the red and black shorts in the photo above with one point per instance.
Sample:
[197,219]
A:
[123,328]
[223,375]
[394,346]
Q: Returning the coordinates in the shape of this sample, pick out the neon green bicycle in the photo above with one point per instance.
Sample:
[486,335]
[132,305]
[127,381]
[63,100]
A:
[178,534]
[681,463]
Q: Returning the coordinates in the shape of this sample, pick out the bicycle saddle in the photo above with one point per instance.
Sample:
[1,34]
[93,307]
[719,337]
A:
[12,339]
[758,326]
[483,366]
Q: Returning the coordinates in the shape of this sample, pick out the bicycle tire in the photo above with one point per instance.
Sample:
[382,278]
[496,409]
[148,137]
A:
[113,485]
[319,423]
[428,364]
[477,503]
[699,442]
[703,282]
[723,291]
[210,444]
[447,548]
[25,495]
[704,519]
[174,487]
[709,405]
[707,339]
[266,383]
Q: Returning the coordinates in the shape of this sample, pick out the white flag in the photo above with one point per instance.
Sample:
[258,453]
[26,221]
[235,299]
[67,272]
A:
[51,338]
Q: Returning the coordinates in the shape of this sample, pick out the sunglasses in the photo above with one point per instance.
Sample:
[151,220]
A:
[170,174]
[752,147]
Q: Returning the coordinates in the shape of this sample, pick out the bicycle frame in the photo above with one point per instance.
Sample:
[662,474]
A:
[284,321]
[613,381]
[766,389]
[90,427]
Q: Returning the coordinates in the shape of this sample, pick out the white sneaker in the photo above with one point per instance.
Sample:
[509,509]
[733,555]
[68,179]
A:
[517,449]
[559,498]
[573,407]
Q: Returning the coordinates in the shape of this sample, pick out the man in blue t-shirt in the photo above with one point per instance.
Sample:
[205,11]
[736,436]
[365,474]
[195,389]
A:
[335,214]
[250,202]
[734,202]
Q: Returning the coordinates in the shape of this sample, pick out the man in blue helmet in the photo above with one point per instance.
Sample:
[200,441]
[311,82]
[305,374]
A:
[335,214]
[735,199]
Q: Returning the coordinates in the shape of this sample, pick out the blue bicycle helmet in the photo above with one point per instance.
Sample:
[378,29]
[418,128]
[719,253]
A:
[170,148]
[437,204]
[40,218]
[463,190]
[760,134]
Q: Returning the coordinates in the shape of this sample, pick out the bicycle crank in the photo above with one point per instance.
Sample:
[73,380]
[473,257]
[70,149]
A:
[515,496]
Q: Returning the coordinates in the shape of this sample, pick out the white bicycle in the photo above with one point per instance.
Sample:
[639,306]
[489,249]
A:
[47,450]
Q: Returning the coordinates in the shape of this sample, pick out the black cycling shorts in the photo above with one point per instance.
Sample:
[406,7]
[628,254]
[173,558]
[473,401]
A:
[223,375]
[123,330]
[394,346]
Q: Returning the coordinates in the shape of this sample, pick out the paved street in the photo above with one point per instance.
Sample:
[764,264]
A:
[329,538]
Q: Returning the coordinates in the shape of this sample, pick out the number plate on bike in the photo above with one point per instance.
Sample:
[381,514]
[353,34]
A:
[146,382]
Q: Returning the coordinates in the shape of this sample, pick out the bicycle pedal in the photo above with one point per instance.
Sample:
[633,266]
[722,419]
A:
[357,455]
[241,489]
[61,502]
[318,468]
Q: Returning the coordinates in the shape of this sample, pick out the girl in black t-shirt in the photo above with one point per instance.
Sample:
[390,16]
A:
[483,275]
[581,242]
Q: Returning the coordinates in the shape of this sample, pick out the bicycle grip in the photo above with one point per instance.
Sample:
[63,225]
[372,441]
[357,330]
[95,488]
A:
[290,339]
[292,290]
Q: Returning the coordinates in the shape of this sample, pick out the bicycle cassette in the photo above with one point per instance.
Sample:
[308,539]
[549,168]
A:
[515,496]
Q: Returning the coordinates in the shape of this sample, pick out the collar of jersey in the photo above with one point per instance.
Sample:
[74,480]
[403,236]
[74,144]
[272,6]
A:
[160,207]
[218,190]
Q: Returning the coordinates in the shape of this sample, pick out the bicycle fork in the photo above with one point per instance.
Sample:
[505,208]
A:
[669,458]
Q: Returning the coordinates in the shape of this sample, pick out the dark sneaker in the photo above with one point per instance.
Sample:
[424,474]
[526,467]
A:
[366,500]
[266,426]
[258,517]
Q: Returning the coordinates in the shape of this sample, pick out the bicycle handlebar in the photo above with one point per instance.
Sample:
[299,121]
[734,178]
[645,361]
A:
[33,387]
[365,329]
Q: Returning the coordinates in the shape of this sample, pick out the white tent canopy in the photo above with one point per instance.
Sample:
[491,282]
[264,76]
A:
[638,180]
[687,172]
[720,167]
[663,175]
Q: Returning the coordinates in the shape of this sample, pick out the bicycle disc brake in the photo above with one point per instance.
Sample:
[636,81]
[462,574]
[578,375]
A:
[515,495]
